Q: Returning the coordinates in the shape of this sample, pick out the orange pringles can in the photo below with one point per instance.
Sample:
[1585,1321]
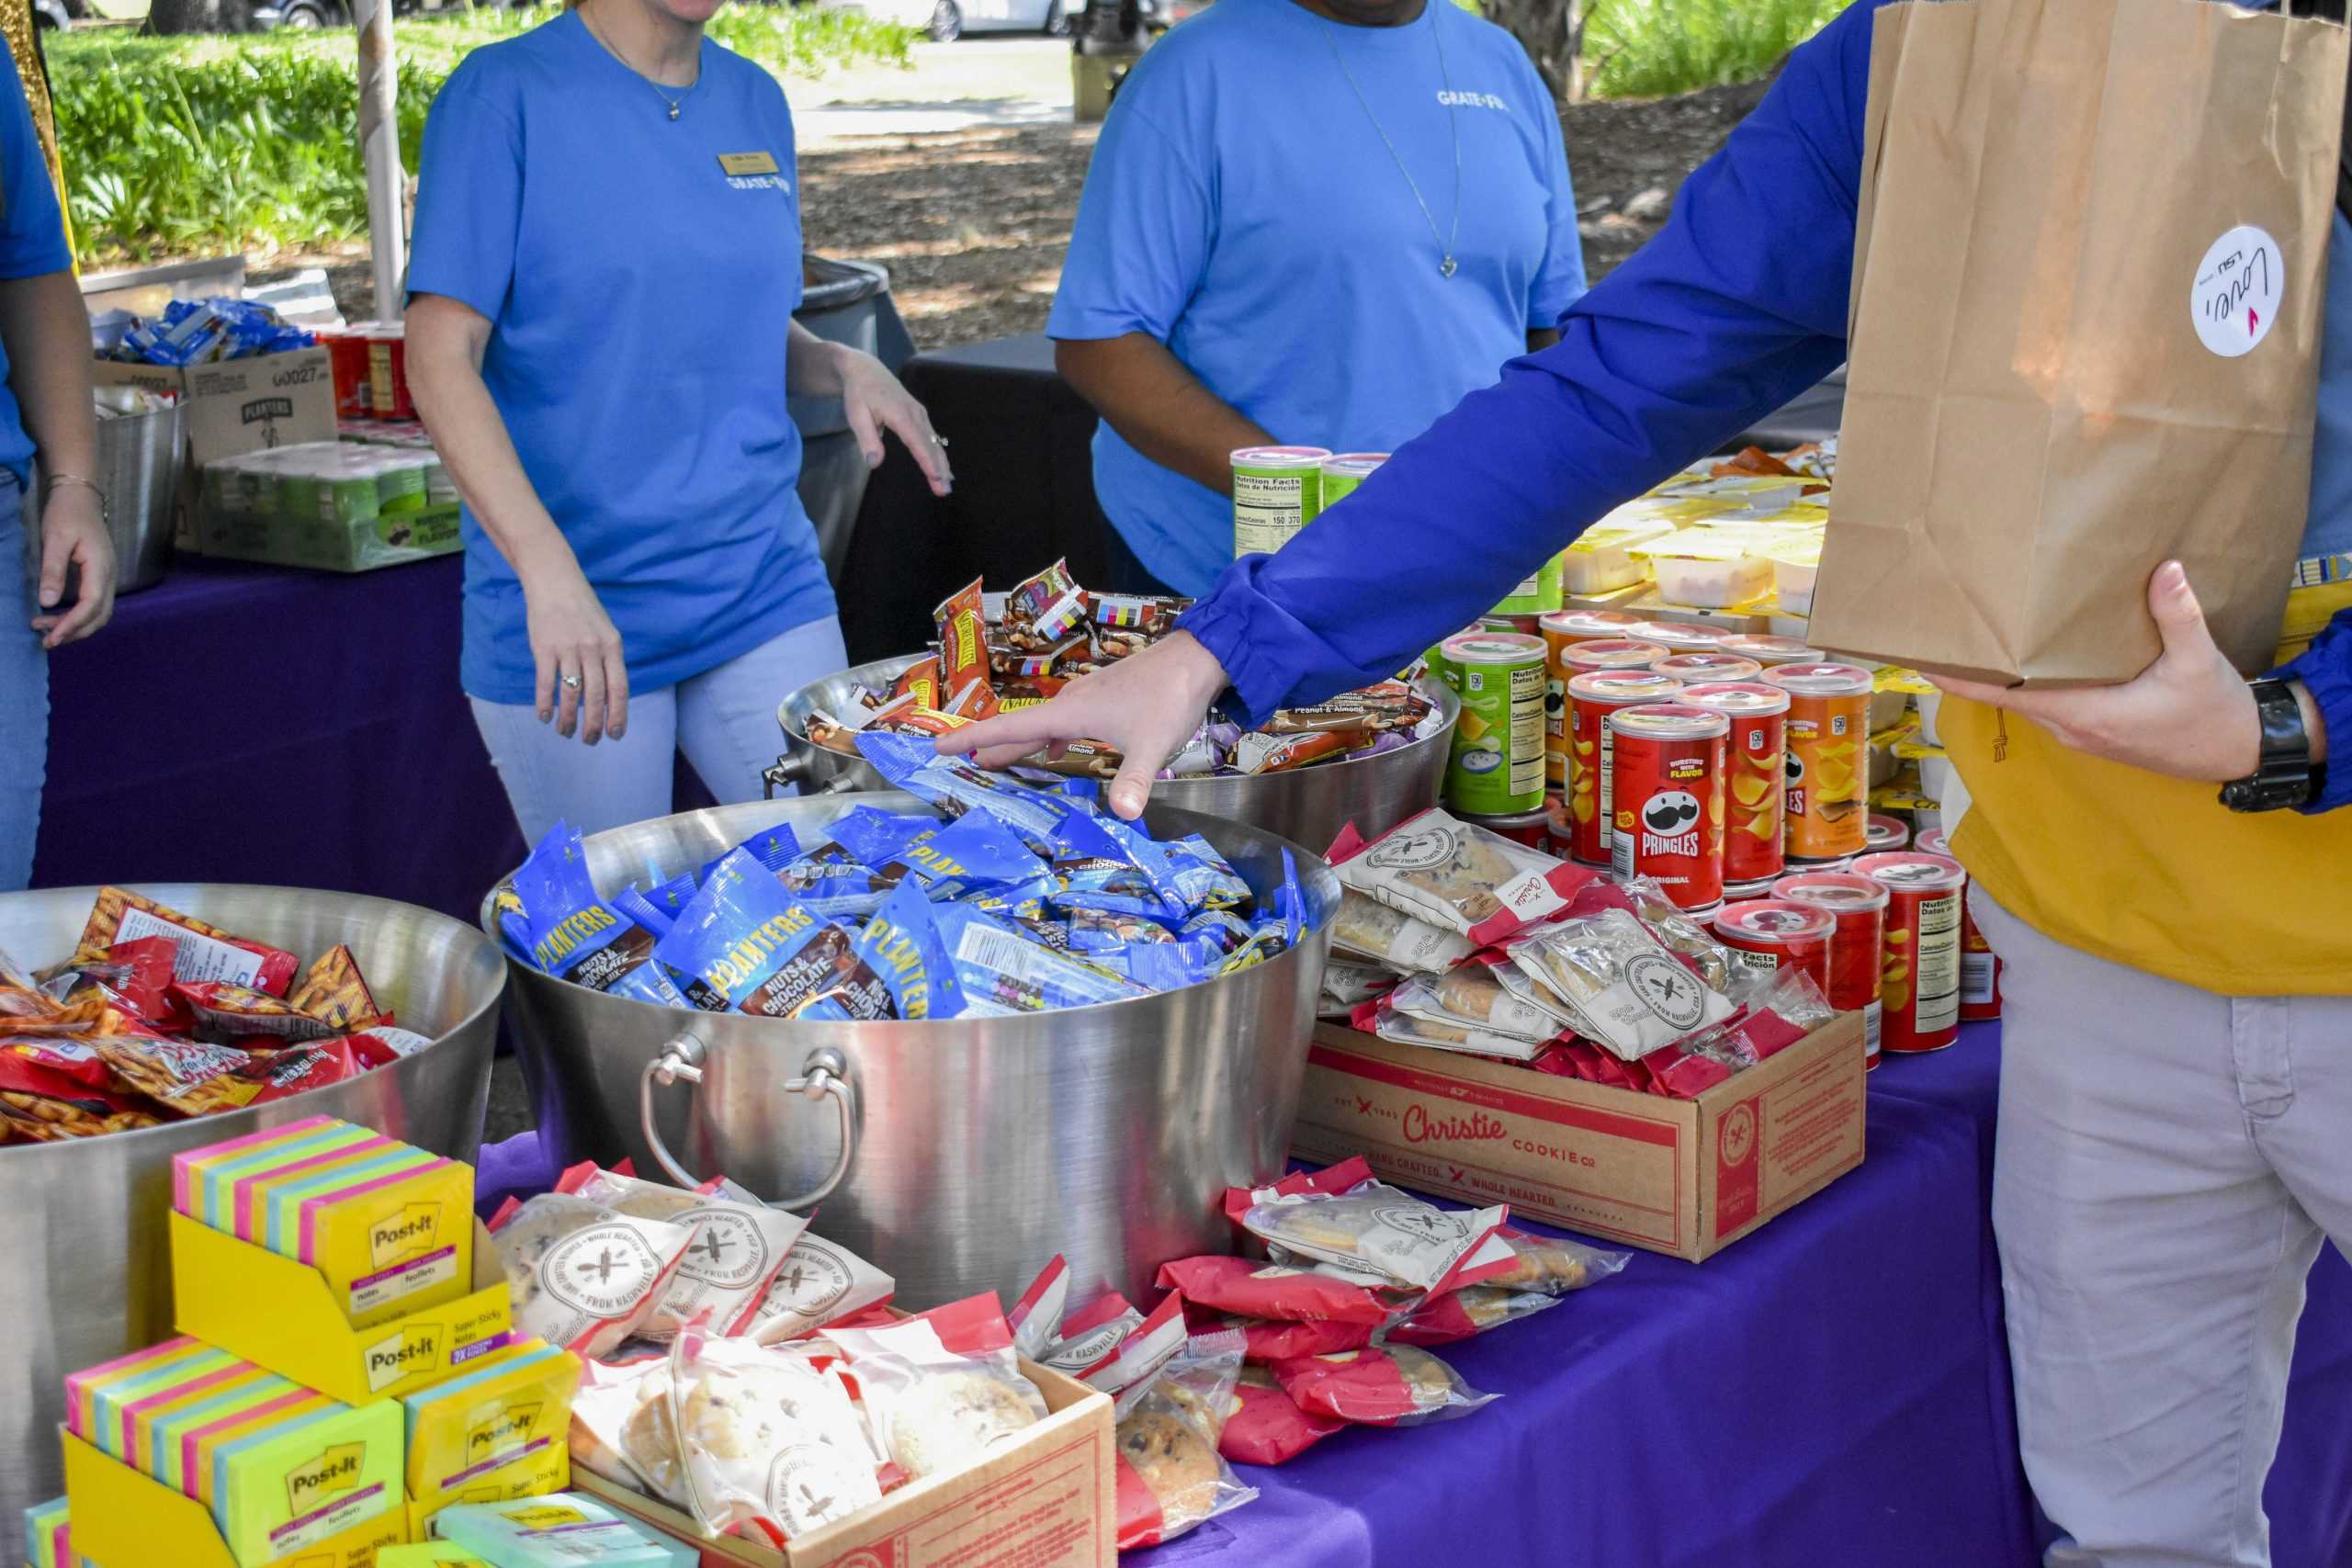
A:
[1667,822]
[1593,695]
[1829,763]
[1755,782]
[1980,966]
[1857,945]
[1772,934]
[1919,979]
[1691,668]
[1574,642]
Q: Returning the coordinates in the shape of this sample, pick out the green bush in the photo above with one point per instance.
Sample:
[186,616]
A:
[174,145]
[1653,49]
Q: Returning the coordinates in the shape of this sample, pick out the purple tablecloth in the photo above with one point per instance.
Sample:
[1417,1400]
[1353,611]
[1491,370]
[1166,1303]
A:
[260,724]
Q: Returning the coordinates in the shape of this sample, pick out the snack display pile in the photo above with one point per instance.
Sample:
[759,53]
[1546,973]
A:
[1013,898]
[1020,648]
[156,1015]
[346,505]
[198,332]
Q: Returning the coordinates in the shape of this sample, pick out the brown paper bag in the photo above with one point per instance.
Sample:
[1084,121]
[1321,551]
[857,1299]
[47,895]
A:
[2088,286]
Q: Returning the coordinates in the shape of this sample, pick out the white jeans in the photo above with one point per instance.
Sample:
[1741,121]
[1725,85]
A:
[724,719]
[2169,1162]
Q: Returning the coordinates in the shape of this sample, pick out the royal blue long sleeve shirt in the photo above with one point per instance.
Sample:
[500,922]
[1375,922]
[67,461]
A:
[1737,305]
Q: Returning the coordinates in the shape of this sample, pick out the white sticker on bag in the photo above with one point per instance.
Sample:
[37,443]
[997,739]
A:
[2234,300]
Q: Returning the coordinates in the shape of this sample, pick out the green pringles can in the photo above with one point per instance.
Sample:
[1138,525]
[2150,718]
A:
[1277,490]
[1344,470]
[1536,595]
[1496,767]
[1433,663]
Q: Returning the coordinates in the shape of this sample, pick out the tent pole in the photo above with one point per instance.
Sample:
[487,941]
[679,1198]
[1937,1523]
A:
[379,144]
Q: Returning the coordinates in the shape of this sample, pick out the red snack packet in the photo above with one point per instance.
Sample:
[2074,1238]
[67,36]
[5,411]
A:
[1389,1385]
[1268,1291]
[203,952]
[278,1075]
[40,1105]
[383,1046]
[921,682]
[140,981]
[182,1075]
[225,1012]
[962,619]
[1464,1313]
[334,991]
[1267,1426]
[74,1061]
[1265,1341]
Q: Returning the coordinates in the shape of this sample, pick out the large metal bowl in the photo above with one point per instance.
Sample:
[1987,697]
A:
[1308,806]
[959,1154]
[82,1227]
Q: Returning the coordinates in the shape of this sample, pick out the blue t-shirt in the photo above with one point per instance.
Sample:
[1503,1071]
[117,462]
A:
[639,296]
[32,243]
[1243,209]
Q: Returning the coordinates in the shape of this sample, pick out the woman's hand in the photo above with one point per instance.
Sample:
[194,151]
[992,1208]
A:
[872,399]
[582,683]
[73,531]
[1146,705]
[2189,713]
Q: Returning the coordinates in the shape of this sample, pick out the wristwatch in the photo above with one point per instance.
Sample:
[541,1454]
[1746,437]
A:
[2282,779]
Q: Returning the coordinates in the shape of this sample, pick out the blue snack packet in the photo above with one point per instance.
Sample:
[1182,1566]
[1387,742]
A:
[1020,900]
[977,850]
[631,901]
[1006,970]
[1099,932]
[903,945]
[1290,901]
[1204,879]
[956,786]
[834,884]
[744,944]
[773,848]
[1117,874]
[1165,966]
[1207,937]
[566,929]
[1263,943]
[878,837]
[650,983]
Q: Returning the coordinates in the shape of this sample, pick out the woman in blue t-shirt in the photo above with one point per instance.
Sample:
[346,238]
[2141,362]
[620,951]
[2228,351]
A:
[600,337]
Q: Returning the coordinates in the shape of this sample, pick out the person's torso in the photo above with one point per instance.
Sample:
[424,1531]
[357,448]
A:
[639,361]
[1323,312]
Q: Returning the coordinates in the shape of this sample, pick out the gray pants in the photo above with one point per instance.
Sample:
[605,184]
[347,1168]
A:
[2169,1164]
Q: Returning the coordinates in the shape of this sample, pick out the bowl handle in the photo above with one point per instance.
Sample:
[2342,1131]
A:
[825,1075]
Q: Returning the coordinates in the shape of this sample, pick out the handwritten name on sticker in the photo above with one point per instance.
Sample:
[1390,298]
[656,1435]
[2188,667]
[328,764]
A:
[2236,293]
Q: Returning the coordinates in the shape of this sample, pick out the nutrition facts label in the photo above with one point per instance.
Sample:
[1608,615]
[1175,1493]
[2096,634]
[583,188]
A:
[1267,510]
[1527,730]
[1938,964]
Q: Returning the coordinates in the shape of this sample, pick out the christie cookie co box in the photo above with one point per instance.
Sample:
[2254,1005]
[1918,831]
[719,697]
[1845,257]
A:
[1686,1178]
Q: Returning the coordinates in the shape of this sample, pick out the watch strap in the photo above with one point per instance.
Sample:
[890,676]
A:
[2282,777]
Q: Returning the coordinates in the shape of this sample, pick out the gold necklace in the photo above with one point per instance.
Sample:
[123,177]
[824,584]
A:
[677,104]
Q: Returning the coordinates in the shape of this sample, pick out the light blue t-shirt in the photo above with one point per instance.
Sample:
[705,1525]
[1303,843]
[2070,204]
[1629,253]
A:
[1243,209]
[641,295]
[32,243]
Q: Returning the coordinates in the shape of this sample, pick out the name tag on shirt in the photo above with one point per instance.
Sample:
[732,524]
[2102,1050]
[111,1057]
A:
[741,164]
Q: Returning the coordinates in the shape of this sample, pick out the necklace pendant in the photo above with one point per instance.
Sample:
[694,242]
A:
[1446,268]
[673,114]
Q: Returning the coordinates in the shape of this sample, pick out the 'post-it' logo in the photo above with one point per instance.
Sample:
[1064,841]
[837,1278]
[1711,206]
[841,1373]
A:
[416,1348]
[337,1469]
[412,1233]
[503,1431]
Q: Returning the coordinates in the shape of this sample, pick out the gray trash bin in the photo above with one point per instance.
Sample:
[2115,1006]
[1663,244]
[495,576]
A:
[846,302]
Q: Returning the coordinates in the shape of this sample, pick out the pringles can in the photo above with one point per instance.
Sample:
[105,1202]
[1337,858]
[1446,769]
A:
[1533,828]
[1684,636]
[1536,595]
[1564,631]
[1919,981]
[1755,782]
[1771,650]
[1496,769]
[1667,822]
[1343,471]
[1980,966]
[1439,670]
[1772,934]
[1857,945]
[1828,761]
[1691,668]
[1277,490]
[1593,695]
[1885,834]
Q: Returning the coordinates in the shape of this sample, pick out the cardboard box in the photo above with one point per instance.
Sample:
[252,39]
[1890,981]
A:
[236,406]
[120,1516]
[1046,1500]
[1685,1178]
[283,1316]
[363,545]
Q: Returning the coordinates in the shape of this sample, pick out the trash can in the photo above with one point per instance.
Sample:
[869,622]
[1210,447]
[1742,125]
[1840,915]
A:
[845,303]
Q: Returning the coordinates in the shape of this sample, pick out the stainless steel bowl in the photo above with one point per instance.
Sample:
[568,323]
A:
[83,1275]
[1308,806]
[958,1154]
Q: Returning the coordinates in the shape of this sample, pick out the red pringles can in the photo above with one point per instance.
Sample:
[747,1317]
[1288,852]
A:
[1755,782]
[1980,966]
[347,362]
[1667,799]
[1772,934]
[1919,982]
[1885,834]
[1857,945]
[1592,696]
[1691,668]
[388,370]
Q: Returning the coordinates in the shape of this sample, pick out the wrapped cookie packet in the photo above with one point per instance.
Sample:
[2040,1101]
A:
[1341,1221]
[585,1276]
[1384,1385]
[941,1388]
[1171,1478]
[1458,877]
[739,1247]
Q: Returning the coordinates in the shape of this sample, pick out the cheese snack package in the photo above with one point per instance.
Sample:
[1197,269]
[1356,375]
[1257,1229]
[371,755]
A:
[510,1407]
[564,1531]
[584,1276]
[738,1250]
[226,1013]
[201,952]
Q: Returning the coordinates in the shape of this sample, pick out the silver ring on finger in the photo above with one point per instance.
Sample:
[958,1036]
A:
[938,440]
[571,681]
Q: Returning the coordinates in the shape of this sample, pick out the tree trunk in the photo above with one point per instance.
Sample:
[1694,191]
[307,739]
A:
[1552,31]
[199,17]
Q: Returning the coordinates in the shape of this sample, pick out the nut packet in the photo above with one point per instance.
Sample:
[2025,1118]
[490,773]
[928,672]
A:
[821,1282]
[583,1276]
[1461,1314]
[879,838]
[903,945]
[223,1011]
[1459,876]
[1045,609]
[569,932]
[1382,1235]
[1629,994]
[943,1390]
[1106,864]
[1273,1292]
[770,1442]
[999,967]
[918,681]
[201,952]
[1096,932]
[1267,1426]
[1384,1385]
[963,639]
[745,945]
[334,989]
[1171,1478]
[737,1251]
[1204,879]
[956,786]
[975,851]
[1372,930]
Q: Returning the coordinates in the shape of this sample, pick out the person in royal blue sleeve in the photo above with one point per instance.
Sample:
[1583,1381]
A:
[45,414]
[600,338]
[2176,1083]
[1310,222]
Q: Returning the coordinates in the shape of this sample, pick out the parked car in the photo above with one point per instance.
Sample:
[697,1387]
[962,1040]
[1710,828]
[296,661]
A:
[947,20]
